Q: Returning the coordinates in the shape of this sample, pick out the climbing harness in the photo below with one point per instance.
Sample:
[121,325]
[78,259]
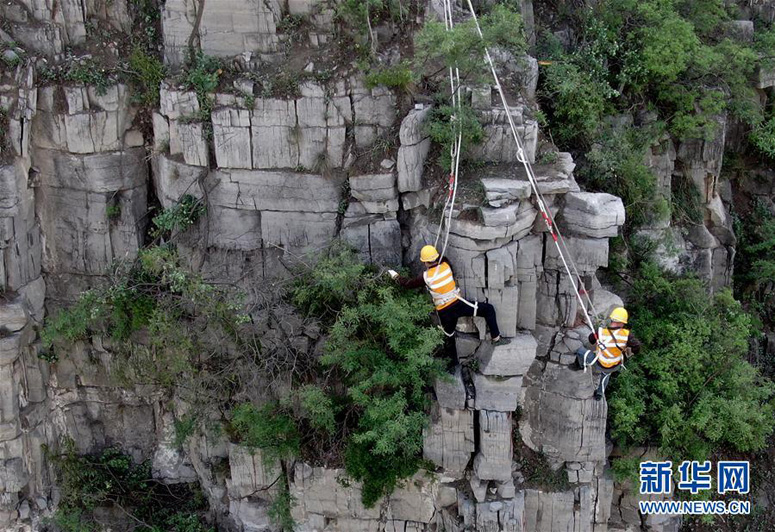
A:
[546,214]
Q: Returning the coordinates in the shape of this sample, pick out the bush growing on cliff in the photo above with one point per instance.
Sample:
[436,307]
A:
[671,55]
[690,391]
[379,352]
[754,276]
[146,74]
[111,479]
[267,427]
[463,48]
[443,125]
[675,62]
[614,164]
[381,343]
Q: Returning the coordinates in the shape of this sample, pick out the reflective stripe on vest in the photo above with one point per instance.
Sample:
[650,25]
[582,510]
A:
[441,284]
[614,341]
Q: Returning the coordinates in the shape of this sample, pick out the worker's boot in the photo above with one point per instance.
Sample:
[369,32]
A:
[575,366]
[500,341]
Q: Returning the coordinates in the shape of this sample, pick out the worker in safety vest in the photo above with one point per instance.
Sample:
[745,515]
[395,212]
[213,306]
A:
[613,344]
[450,306]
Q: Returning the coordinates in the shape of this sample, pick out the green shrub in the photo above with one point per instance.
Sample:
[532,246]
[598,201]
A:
[463,48]
[318,408]
[578,101]
[381,345]
[763,137]
[358,14]
[185,317]
[754,274]
[615,164]
[669,56]
[202,74]
[180,216]
[398,76]
[690,391]
[89,72]
[686,200]
[380,473]
[184,429]
[147,72]
[335,280]
[112,479]
[443,124]
[267,427]
[280,510]
[113,212]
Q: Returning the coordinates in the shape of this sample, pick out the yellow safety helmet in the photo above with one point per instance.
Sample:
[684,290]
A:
[619,314]
[428,254]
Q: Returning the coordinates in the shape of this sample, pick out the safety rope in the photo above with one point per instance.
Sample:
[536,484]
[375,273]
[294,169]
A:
[455,148]
[545,212]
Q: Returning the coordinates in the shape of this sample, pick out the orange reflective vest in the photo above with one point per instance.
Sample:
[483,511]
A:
[441,285]
[611,344]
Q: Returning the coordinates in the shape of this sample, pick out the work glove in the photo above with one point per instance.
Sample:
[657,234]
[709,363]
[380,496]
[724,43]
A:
[393,274]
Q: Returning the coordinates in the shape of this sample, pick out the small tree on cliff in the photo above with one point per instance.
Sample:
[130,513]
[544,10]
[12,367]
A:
[370,387]
[690,390]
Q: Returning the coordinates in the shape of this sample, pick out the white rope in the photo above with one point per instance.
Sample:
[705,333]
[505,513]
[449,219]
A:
[522,157]
[455,148]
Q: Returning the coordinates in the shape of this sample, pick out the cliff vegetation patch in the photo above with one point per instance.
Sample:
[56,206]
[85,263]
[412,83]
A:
[109,489]
[690,391]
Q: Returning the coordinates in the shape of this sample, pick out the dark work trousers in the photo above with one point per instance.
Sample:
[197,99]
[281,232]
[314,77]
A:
[449,316]
[585,358]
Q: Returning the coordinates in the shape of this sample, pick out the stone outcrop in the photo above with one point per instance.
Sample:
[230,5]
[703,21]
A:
[561,418]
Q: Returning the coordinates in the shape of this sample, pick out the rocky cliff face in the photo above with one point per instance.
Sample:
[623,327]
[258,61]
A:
[282,177]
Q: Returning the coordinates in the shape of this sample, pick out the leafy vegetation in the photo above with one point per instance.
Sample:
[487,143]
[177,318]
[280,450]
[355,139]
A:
[763,137]
[147,73]
[166,325]
[84,71]
[113,211]
[360,16]
[280,510]
[674,61]
[615,163]
[686,201]
[463,48]
[202,75]
[111,479]
[672,55]
[438,49]
[267,427]
[380,346]
[180,216]
[690,391]
[398,76]
[443,126]
[754,275]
